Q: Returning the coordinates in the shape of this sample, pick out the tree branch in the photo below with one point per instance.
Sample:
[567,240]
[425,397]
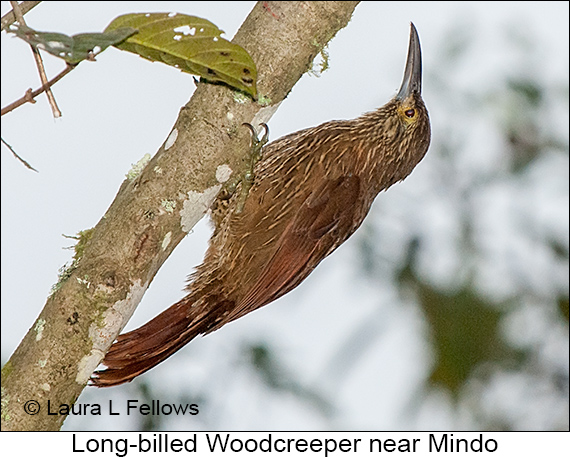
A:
[26,164]
[39,62]
[152,212]
[9,18]
[30,95]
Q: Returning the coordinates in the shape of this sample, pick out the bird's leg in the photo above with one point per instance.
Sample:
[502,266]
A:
[247,177]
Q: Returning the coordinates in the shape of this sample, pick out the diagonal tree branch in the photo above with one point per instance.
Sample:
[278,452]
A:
[30,95]
[153,211]
[9,18]
[16,155]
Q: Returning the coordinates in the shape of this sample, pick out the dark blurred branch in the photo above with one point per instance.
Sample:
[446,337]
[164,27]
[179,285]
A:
[26,164]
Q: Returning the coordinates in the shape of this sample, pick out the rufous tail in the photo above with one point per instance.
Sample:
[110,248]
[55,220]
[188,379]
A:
[140,350]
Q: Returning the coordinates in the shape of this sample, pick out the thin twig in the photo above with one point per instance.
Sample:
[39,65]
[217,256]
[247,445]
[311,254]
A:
[30,95]
[43,77]
[9,18]
[39,63]
[18,157]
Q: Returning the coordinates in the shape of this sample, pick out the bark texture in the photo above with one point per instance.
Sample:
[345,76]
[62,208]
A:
[153,211]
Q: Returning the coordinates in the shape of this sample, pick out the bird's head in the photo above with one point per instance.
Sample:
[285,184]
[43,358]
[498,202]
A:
[410,107]
[401,128]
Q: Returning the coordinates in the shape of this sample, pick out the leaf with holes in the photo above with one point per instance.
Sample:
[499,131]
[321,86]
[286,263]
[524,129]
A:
[191,44]
[72,49]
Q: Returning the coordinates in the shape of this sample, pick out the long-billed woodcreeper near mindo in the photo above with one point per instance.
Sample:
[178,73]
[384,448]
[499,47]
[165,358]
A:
[312,189]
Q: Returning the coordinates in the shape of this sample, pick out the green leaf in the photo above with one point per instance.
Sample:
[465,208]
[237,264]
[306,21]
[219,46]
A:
[72,49]
[191,44]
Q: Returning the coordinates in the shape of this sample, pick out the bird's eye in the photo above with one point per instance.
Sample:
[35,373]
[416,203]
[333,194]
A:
[410,112]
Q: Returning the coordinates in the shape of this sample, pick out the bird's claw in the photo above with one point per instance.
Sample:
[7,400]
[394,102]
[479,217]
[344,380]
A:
[256,143]
[247,177]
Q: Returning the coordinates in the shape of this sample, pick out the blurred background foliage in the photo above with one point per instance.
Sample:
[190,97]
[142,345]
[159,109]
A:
[499,318]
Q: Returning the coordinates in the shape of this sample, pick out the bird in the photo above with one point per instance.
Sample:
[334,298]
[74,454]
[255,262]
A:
[311,191]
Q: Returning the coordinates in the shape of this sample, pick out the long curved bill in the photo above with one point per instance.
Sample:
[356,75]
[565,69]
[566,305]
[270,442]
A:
[412,82]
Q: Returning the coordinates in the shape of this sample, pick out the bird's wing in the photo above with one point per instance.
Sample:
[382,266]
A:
[327,217]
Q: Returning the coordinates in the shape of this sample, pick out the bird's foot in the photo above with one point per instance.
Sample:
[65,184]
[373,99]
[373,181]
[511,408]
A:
[247,177]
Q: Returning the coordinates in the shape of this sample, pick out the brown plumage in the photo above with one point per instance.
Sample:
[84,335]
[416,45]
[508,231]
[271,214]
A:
[312,190]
